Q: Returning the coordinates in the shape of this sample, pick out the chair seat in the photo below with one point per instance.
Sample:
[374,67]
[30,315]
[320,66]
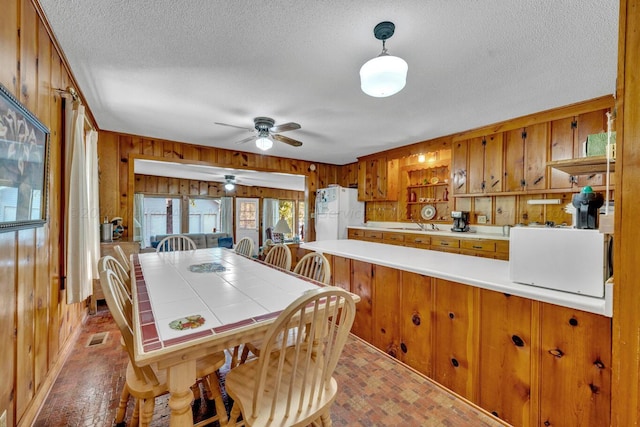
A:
[240,386]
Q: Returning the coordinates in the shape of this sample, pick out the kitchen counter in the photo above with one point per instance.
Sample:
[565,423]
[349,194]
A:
[443,231]
[480,272]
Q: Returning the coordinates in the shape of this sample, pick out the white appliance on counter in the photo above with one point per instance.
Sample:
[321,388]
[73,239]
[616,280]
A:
[564,259]
[336,209]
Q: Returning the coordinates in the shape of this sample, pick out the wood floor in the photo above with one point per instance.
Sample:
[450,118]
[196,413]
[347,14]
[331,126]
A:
[375,390]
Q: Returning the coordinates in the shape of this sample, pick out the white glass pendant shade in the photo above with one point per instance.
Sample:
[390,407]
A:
[264,143]
[384,75]
[229,186]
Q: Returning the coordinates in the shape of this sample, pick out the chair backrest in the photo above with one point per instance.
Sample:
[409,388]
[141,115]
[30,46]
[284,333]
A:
[245,247]
[120,306]
[298,377]
[109,262]
[279,256]
[124,260]
[176,242]
[315,266]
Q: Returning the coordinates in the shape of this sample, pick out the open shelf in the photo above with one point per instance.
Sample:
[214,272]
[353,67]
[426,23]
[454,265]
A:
[440,184]
[584,165]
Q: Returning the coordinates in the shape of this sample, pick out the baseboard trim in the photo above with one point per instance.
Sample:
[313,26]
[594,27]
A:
[33,409]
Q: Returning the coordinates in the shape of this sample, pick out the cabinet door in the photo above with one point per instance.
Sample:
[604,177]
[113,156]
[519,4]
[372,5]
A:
[361,285]
[575,370]
[386,304]
[493,152]
[506,346]
[341,272]
[476,165]
[589,123]
[459,167]
[561,143]
[379,178]
[514,160]
[364,182]
[535,156]
[454,351]
[415,322]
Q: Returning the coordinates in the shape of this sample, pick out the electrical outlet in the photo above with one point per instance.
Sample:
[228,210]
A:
[3,419]
[482,219]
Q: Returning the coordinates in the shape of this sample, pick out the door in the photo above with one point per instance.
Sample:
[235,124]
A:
[247,221]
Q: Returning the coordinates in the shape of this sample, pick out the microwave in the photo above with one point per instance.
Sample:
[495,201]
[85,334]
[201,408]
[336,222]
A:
[563,259]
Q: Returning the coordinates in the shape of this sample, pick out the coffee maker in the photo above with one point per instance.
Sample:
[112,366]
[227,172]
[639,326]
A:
[587,204]
[460,221]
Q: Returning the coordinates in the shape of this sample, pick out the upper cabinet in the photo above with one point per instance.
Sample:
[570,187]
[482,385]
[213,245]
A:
[526,158]
[378,179]
[459,155]
[485,164]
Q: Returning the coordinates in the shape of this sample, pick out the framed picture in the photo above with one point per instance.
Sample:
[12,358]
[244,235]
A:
[24,145]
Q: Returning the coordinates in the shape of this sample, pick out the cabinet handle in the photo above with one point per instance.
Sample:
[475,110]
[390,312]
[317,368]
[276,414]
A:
[417,241]
[495,183]
[476,247]
[444,244]
[538,180]
[556,352]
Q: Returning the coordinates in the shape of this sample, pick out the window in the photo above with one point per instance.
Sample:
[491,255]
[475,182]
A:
[247,218]
[204,215]
[161,216]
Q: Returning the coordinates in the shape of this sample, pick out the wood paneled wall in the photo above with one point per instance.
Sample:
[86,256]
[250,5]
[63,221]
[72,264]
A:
[36,324]
[118,183]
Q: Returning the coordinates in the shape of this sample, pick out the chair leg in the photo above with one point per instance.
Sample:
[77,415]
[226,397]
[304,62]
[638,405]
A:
[326,419]
[233,418]
[147,411]
[212,387]
[135,417]
[121,412]
[234,356]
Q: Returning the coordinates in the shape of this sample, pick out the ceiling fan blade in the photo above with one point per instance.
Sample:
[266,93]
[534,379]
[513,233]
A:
[284,127]
[245,140]
[286,140]
[234,126]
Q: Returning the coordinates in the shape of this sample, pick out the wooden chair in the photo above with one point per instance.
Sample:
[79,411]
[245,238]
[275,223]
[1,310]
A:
[245,247]
[176,242]
[295,386]
[279,256]
[315,266]
[109,262]
[124,260]
[145,383]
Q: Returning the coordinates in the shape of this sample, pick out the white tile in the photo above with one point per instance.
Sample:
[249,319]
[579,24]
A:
[236,312]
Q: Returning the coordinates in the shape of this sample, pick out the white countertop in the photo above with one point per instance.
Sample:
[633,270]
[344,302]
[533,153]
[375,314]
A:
[443,230]
[483,273]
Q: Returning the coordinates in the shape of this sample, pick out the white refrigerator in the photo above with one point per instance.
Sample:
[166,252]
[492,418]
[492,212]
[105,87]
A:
[336,209]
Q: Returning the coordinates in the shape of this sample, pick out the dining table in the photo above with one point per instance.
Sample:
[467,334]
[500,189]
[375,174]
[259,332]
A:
[188,304]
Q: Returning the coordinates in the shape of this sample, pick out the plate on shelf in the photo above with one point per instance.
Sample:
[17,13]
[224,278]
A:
[428,212]
[435,180]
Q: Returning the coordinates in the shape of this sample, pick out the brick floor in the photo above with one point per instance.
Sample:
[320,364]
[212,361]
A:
[375,390]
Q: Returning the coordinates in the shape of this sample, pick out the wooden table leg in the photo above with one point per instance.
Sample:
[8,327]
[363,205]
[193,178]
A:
[180,378]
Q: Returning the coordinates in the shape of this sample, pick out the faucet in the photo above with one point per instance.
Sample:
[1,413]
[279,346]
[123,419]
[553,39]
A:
[421,225]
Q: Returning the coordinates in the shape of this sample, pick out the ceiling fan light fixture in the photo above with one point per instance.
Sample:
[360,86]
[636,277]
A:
[264,142]
[229,184]
[384,75]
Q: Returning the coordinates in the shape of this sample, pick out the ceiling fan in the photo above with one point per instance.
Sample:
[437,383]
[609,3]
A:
[265,131]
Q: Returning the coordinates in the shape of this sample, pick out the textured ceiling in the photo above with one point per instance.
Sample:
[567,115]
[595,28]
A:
[171,68]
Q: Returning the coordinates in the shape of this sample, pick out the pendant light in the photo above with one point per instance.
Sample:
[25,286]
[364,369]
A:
[264,141]
[384,75]
[229,184]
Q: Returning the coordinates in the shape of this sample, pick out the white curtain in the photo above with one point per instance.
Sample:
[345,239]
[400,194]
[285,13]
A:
[93,232]
[138,219]
[269,214]
[78,250]
[226,215]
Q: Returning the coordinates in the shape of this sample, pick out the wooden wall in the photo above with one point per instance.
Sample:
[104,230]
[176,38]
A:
[36,324]
[118,183]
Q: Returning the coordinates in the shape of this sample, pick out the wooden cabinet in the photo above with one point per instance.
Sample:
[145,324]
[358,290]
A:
[526,158]
[386,310]
[415,322]
[506,347]
[459,156]
[454,358]
[487,248]
[378,179]
[485,164]
[530,363]
[575,367]
[361,285]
